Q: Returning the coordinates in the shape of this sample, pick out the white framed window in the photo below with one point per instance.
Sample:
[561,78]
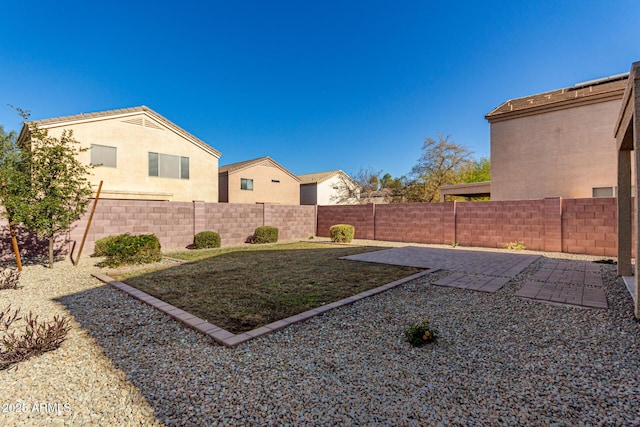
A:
[104,155]
[168,166]
[246,184]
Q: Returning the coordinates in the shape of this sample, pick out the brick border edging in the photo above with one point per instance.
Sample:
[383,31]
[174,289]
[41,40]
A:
[228,339]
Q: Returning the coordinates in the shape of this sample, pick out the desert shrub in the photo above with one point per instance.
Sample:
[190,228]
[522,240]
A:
[515,246]
[420,333]
[265,234]
[9,278]
[102,245]
[128,249]
[206,239]
[36,338]
[342,233]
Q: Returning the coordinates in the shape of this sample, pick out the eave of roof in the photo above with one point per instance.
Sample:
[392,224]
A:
[122,112]
[236,167]
[582,94]
[318,177]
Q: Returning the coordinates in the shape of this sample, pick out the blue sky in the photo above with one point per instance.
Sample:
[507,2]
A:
[315,85]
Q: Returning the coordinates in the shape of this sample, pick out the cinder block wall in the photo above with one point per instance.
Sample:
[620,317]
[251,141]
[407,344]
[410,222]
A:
[415,222]
[293,221]
[492,224]
[175,223]
[590,226]
[360,216]
[581,226]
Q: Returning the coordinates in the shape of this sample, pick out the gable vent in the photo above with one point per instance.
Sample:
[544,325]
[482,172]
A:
[135,121]
[144,122]
[151,124]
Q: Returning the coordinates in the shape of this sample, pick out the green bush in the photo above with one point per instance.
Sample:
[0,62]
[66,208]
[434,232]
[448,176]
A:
[265,234]
[128,249]
[206,239]
[342,233]
[102,245]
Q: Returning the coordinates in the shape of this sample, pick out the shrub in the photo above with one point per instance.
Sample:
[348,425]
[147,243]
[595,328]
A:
[102,245]
[515,246]
[37,338]
[342,233]
[128,249]
[420,333]
[9,278]
[206,239]
[265,234]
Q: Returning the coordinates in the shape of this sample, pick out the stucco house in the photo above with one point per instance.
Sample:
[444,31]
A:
[557,144]
[261,180]
[138,154]
[328,188]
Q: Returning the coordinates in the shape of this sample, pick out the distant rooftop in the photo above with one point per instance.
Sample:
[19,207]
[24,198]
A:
[598,89]
[317,177]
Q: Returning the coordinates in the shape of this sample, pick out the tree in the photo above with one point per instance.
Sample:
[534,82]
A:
[441,163]
[478,171]
[369,183]
[56,190]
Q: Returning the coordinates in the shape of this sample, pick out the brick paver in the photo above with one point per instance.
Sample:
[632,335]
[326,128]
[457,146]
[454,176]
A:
[473,282]
[478,262]
[567,282]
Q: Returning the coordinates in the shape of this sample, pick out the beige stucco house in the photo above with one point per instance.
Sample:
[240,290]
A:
[557,144]
[261,180]
[140,155]
[328,188]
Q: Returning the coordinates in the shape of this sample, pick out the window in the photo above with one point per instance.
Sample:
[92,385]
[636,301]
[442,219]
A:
[276,181]
[246,184]
[168,166]
[103,155]
[603,192]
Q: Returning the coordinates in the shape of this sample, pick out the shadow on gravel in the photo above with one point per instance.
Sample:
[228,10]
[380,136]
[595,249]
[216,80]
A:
[501,360]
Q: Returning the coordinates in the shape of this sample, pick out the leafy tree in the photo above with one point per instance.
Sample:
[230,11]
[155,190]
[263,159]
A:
[478,171]
[56,189]
[441,163]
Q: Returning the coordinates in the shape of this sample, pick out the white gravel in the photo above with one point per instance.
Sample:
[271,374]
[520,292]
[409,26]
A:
[500,360]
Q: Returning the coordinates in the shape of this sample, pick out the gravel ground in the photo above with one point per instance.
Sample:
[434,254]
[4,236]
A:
[500,360]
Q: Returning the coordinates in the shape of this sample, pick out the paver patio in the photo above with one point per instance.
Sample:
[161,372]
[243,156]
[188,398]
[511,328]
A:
[570,282]
[477,262]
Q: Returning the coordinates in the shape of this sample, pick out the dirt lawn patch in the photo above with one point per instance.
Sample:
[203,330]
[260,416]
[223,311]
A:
[240,289]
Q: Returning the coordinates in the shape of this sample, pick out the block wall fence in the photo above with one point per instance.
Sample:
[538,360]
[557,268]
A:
[174,223]
[581,226]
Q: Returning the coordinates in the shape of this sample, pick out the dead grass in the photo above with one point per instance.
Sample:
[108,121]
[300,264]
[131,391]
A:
[241,289]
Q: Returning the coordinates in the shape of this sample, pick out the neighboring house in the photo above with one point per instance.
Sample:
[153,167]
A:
[328,188]
[557,144]
[260,180]
[140,155]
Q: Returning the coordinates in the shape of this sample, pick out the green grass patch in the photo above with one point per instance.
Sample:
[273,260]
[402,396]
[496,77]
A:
[240,289]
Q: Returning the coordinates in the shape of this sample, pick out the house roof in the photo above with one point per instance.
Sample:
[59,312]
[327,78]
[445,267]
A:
[318,177]
[600,90]
[122,112]
[235,167]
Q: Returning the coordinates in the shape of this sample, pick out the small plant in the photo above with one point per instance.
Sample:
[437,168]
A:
[265,234]
[420,333]
[342,233]
[455,244]
[9,278]
[37,337]
[128,249]
[206,239]
[515,246]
